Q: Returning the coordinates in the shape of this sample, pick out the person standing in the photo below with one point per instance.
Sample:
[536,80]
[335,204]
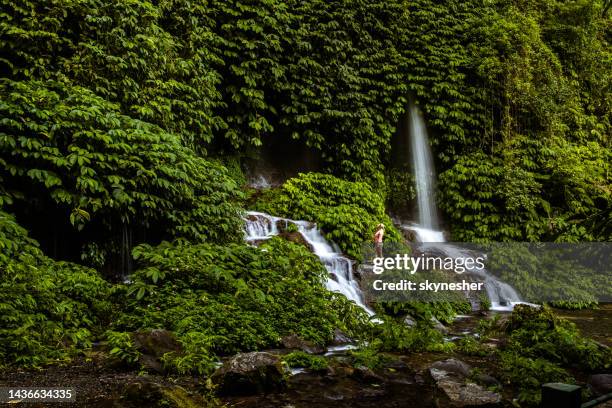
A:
[378,237]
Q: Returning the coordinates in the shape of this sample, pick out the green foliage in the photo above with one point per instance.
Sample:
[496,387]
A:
[197,357]
[539,333]
[554,190]
[468,345]
[122,346]
[49,310]
[305,360]
[567,275]
[347,212]
[392,335]
[401,188]
[225,299]
[153,60]
[369,356]
[541,347]
[227,76]
[528,374]
[101,167]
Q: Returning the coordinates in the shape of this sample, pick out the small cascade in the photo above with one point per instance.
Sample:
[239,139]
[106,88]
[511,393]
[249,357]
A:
[502,296]
[261,226]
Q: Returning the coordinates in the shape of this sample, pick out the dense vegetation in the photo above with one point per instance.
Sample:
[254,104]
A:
[347,212]
[124,127]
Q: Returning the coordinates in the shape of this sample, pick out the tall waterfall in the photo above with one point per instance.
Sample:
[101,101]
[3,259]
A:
[422,165]
[260,226]
[501,295]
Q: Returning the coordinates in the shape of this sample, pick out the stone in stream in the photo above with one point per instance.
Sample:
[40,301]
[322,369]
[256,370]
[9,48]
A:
[341,338]
[365,375]
[295,342]
[250,373]
[450,377]
[439,326]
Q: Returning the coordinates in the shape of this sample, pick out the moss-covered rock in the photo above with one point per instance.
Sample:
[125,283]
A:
[250,373]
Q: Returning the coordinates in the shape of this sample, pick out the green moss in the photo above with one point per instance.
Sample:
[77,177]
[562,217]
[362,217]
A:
[305,360]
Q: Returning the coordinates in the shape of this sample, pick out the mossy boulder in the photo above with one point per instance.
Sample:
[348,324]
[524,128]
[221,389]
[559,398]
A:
[250,373]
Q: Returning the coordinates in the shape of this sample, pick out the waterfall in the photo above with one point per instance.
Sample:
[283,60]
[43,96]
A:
[503,297]
[422,165]
[260,226]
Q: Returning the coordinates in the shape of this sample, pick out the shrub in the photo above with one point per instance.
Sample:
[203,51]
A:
[69,146]
[48,310]
[539,333]
[234,298]
[528,374]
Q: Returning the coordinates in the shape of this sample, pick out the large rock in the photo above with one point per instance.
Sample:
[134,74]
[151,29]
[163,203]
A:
[250,373]
[409,234]
[152,346]
[453,389]
[296,237]
[295,342]
[341,338]
[366,375]
[146,392]
[439,326]
[601,384]
[452,366]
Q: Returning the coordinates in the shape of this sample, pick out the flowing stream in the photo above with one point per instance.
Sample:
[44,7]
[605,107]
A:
[260,226]
[503,297]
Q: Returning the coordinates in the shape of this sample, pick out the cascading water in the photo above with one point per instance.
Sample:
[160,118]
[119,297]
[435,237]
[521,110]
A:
[422,164]
[501,295]
[260,226]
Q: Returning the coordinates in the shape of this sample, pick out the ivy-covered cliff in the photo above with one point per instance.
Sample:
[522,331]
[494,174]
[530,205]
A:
[125,126]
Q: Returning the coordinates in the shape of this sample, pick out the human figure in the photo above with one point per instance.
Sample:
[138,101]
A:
[379,234]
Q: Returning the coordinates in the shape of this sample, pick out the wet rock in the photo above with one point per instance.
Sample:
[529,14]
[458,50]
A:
[454,391]
[366,375]
[452,366]
[439,326]
[486,380]
[410,321]
[601,384]
[142,391]
[147,393]
[295,342]
[250,373]
[296,237]
[458,394]
[340,371]
[409,235]
[340,338]
[153,344]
